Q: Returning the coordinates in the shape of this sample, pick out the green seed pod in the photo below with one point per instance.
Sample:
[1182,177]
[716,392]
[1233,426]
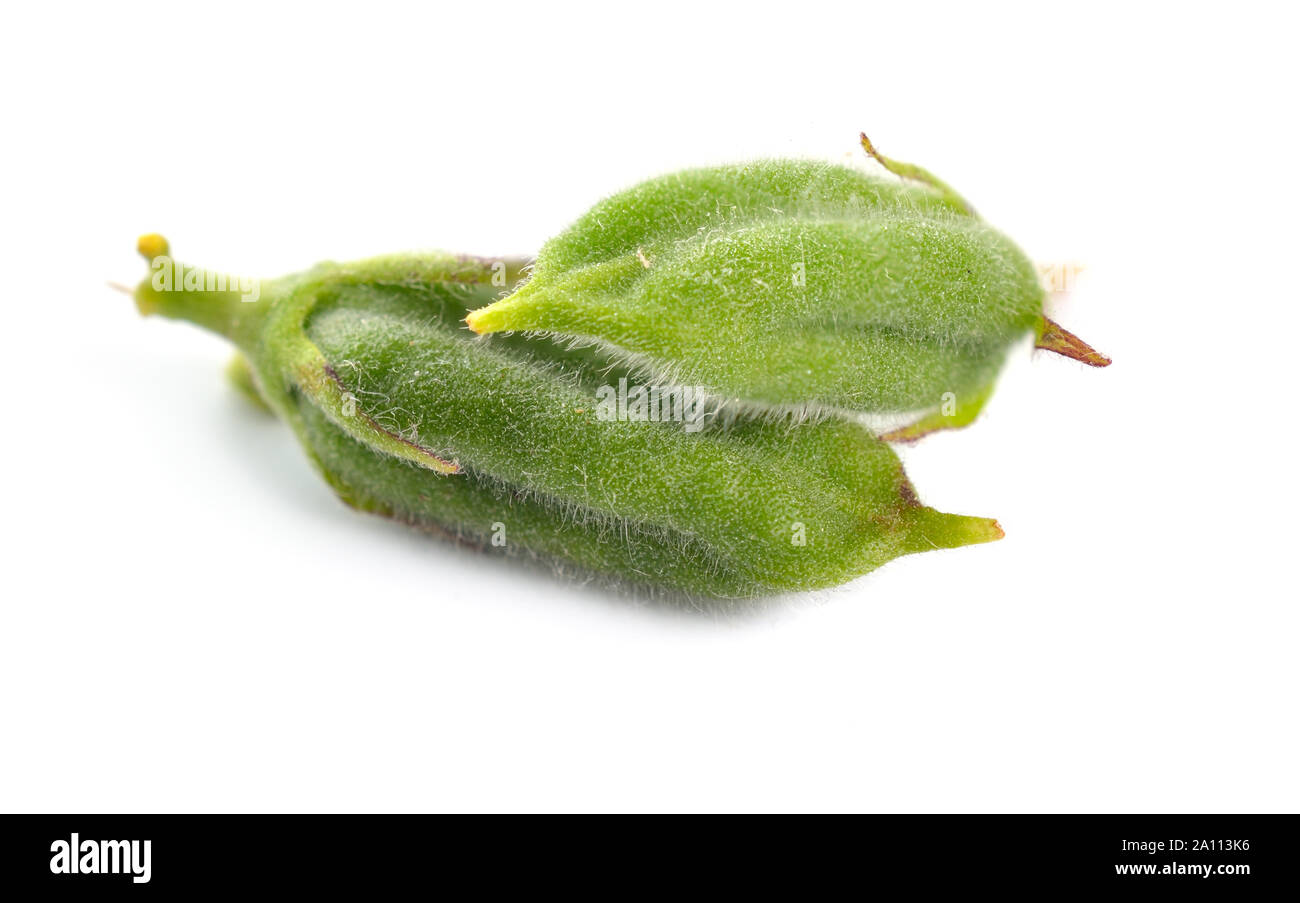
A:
[792,286]
[408,414]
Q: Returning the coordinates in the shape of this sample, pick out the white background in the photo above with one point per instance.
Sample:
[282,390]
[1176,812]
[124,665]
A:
[190,621]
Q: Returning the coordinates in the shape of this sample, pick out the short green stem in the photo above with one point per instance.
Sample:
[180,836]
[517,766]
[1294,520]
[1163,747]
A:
[227,305]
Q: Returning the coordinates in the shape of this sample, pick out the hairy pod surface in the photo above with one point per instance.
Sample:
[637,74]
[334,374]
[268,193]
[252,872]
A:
[788,285]
[497,440]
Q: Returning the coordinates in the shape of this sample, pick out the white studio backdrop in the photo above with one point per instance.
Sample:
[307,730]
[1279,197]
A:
[190,620]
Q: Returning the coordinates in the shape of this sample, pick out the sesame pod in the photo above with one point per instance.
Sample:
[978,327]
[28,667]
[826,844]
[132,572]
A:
[407,414]
[792,286]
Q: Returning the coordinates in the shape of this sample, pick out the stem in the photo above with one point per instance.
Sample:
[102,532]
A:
[230,306]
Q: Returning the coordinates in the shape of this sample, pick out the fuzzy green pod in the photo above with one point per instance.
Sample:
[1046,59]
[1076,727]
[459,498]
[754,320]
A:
[793,286]
[408,414]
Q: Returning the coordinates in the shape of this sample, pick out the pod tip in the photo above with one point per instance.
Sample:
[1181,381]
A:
[1055,338]
[970,531]
[485,320]
[929,529]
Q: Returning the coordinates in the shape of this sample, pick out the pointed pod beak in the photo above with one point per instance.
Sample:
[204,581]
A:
[1056,338]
